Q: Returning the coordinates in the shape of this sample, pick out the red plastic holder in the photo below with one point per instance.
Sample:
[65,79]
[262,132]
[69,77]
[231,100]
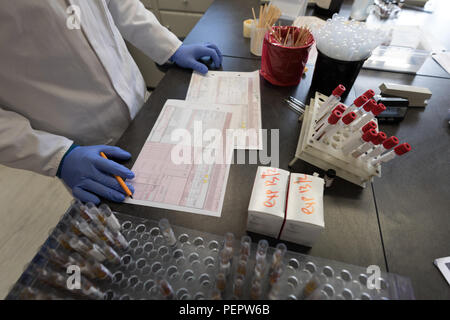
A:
[283,65]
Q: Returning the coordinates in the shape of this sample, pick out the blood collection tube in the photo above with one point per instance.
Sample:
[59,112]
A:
[359,140]
[261,251]
[346,120]
[398,151]
[377,140]
[221,281]
[224,261]
[278,255]
[340,107]
[385,146]
[331,101]
[331,123]
[216,294]
[245,245]
[167,232]
[110,253]
[255,290]
[366,108]
[357,134]
[368,117]
[357,103]
[80,227]
[107,217]
[166,289]
[238,286]
[242,266]
[276,274]
[369,94]
[87,248]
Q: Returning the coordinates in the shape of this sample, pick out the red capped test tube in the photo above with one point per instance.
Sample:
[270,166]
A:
[331,101]
[398,151]
[331,122]
[385,146]
[359,140]
[368,116]
[346,120]
[380,137]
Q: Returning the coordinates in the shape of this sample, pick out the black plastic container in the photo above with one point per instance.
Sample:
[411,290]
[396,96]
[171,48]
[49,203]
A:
[329,73]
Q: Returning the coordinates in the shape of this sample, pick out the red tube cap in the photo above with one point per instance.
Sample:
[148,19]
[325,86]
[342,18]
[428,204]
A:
[369,135]
[391,142]
[349,117]
[402,149]
[369,94]
[339,90]
[381,136]
[378,109]
[369,125]
[334,117]
[370,105]
[340,108]
[360,101]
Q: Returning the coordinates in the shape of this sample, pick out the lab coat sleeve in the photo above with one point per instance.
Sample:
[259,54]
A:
[23,147]
[140,27]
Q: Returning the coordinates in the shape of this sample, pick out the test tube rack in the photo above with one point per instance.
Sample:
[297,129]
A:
[329,155]
[191,266]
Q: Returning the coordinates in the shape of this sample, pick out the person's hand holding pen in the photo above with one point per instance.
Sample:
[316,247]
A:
[88,173]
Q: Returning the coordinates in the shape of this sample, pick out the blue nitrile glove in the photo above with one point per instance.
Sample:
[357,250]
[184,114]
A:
[88,174]
[187,55]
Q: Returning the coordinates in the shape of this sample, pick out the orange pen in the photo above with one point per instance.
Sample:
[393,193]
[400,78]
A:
[120,180]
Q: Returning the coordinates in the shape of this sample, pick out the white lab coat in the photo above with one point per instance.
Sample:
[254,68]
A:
[61,85]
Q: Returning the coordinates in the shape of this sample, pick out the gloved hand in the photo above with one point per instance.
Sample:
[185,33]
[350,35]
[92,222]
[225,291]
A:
[187,55]
[88,174]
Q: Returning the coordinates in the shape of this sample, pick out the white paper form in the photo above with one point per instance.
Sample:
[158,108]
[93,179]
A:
[195,186]
[238,90]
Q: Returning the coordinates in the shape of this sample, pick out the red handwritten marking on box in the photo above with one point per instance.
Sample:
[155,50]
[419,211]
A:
[270,179]
[304,188]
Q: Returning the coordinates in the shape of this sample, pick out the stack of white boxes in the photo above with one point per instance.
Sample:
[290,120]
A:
[287,206]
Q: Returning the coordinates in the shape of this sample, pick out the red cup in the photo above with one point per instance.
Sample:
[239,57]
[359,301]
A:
[282,65]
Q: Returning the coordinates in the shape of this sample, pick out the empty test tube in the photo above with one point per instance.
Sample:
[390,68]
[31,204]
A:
[357,103]
[358,140]
[369,116]
[331,101]
[398,151]
[330,124]
[385,146]
[379,138]
[167,232]
[324,120]
[346,120]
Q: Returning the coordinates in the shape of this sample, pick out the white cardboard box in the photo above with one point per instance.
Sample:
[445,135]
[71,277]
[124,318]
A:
[268,201]
[278,194]
[304,215]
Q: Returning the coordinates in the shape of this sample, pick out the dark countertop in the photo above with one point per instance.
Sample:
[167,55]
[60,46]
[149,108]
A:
[401,222]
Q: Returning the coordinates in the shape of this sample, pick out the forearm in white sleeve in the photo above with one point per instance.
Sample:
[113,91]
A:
[25,148]
[140,27]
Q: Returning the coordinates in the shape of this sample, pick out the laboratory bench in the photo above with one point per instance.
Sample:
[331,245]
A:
[399,222]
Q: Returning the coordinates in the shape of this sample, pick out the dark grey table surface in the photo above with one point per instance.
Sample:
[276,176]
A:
[400,222]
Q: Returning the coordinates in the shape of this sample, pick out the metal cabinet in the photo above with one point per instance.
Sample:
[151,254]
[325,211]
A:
[179,16]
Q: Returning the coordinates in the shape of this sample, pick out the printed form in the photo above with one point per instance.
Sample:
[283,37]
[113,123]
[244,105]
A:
[170,171]
[240,92]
